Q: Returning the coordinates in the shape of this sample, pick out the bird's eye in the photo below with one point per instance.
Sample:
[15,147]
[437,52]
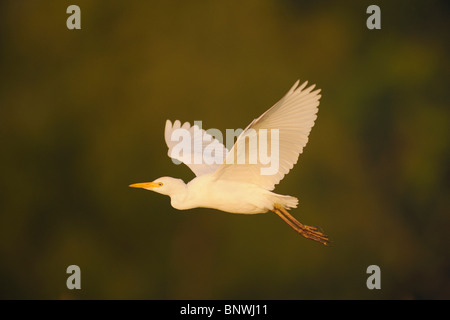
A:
[160,184]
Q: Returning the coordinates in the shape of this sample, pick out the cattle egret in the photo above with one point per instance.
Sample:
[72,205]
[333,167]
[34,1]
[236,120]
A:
[240,186]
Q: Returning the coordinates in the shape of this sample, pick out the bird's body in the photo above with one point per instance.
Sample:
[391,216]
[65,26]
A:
[208,192]
[241,180]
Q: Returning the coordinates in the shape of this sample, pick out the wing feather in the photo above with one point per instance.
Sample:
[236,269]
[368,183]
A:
[294,116]
[187,144]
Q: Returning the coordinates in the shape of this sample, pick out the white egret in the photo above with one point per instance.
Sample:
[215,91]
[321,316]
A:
[241,187]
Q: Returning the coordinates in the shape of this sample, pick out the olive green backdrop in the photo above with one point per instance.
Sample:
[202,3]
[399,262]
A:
[82,115]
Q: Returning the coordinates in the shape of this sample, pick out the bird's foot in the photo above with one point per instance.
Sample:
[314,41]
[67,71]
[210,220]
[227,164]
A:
[313,233]
[309,232]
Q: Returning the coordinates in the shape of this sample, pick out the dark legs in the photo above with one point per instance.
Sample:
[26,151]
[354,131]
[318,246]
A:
[308,232]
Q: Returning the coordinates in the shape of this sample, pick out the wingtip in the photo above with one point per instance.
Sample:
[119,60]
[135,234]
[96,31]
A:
[176,124]
[186,125]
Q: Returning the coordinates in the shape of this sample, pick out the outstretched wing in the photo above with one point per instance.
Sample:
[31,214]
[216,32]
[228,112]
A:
[194,147]
[293,116]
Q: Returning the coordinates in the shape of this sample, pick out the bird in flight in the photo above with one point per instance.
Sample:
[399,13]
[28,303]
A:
[234,180]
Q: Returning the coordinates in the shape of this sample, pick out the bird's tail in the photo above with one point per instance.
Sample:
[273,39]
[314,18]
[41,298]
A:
[287,202]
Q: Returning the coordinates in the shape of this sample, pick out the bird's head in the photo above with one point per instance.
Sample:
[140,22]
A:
[163,185]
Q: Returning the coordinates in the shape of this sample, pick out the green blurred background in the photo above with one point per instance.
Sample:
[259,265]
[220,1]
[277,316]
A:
[83,112]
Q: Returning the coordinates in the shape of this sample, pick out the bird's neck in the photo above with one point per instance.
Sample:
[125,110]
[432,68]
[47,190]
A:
[178,194]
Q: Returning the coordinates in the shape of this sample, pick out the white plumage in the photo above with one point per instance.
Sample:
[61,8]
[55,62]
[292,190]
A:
[207,165]
[293,116]
[232,181]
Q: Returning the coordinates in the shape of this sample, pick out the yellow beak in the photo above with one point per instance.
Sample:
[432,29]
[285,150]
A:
[144,185]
